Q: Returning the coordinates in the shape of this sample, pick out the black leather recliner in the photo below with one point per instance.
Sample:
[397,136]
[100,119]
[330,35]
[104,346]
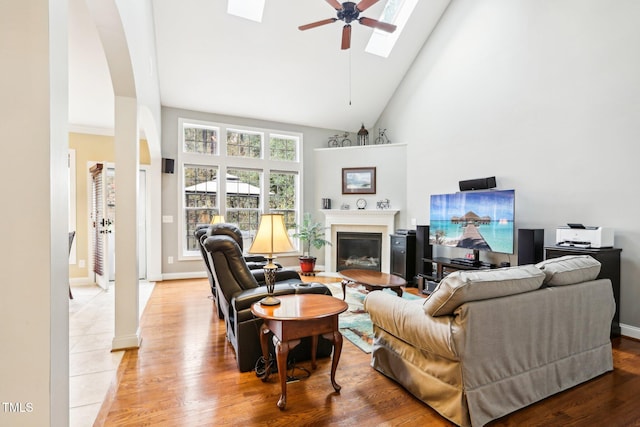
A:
[237,289]
[254,262]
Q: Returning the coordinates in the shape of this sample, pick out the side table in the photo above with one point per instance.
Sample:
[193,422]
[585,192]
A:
[299,316]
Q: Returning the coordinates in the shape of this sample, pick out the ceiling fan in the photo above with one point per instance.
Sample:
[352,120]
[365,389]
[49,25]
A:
[349,12]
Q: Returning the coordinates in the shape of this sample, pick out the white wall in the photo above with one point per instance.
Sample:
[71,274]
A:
[34,339]
[543,94]
[389,161]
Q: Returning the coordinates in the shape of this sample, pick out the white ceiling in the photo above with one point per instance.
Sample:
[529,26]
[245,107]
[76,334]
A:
[214,62]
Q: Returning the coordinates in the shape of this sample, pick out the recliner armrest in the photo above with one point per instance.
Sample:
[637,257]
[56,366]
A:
[281,275]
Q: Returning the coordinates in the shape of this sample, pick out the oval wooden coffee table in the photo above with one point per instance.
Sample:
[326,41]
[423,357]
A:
[299,316]
[371,280]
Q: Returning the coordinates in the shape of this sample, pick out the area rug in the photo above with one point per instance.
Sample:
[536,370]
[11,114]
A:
[355,323]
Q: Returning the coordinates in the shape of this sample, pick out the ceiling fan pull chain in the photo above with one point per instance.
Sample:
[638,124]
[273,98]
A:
[349,76]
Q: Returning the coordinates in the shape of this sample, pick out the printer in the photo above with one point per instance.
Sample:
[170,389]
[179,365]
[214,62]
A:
[580,236]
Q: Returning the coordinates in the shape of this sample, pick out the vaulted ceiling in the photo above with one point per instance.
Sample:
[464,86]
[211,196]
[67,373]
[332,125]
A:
[214,62]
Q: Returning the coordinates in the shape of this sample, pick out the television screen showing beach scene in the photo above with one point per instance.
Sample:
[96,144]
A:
[480,220]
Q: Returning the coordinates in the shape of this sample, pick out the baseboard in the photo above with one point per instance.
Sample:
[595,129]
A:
[126,342]
[185,275]
[630,331]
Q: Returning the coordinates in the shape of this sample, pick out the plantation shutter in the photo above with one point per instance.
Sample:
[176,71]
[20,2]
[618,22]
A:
[98,215]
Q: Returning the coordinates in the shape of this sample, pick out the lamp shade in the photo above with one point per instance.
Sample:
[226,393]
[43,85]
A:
[217,219]
[272,236]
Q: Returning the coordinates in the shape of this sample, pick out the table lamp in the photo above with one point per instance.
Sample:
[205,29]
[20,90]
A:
[217,219]
[271,238]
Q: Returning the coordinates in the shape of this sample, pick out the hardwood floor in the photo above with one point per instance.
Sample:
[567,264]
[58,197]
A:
[185,374]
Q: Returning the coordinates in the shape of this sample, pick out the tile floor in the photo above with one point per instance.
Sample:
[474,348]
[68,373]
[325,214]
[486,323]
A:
[92,364]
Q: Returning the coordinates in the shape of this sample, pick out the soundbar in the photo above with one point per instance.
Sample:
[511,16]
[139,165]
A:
[478,184]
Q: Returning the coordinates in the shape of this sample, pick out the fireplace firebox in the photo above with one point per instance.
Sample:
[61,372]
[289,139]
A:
[359,250]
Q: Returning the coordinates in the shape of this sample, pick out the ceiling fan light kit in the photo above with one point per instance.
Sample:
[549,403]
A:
[349,12]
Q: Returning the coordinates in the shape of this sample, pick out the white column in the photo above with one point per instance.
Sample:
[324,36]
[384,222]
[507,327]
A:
[127,147]
[34,313]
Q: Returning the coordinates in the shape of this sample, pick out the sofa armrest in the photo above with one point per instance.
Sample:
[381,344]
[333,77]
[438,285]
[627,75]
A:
[407,321]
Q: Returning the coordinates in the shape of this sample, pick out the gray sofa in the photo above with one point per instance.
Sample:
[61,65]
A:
[486,343]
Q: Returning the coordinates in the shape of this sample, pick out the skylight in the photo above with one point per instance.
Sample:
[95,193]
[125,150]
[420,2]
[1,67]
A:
[248,9]
[395,12]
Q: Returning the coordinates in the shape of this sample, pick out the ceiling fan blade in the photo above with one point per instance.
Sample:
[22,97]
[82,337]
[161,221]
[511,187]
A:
[346,37]
[335,4]
[317,24]
[365,4]
[373,23]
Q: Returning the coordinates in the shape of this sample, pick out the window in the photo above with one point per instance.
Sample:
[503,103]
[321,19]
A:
[237,172]
[244,144]
[282,196]
[243,201]
[201,140]
[200,199]
[283,148]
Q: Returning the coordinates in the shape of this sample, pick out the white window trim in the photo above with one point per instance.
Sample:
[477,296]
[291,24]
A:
[224,162]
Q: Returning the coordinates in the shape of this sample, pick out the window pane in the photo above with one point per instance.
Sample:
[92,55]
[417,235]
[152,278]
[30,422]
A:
[243,201]
[283,148]
[282,196]
[200,200]
[244,144]
[201,140]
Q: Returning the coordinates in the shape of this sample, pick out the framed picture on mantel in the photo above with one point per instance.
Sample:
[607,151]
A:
[359,180]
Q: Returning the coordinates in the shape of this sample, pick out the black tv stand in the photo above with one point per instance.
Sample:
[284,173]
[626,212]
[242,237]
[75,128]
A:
[445,266]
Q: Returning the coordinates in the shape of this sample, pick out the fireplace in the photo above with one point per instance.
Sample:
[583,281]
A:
[379,221]
[359,250]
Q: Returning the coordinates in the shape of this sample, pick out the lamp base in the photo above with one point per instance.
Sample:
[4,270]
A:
[270,300]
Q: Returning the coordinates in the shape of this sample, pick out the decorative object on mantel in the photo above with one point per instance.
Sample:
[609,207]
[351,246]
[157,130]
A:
[361,203]
[382,137]
[310,234]
[359,180]
[339,140]
[326,203]
[363,136]
[383,204]
[345,206]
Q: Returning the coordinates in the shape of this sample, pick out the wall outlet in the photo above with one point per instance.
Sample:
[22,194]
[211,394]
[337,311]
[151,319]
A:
[167,219]
[170,260]
[414,221]
[81,263]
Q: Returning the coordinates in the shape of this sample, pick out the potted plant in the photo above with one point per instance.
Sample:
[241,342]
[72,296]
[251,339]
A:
[310,234]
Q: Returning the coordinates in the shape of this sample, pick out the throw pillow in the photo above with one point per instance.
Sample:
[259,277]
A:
[464,286]
[569,269]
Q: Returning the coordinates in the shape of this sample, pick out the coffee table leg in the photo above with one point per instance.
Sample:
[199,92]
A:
[282,351]
[344,289]
[264,344]
[398,291]
[336,338]
[314,350]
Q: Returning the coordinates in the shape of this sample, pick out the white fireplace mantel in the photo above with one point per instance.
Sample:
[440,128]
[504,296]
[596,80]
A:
[363,221]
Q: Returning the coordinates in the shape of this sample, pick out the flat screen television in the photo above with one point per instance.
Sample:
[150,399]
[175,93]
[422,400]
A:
[477,220]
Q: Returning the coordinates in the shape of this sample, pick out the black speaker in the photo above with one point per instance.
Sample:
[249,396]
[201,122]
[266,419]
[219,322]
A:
[478,184]
[530,245]
[423,250]
[167,165]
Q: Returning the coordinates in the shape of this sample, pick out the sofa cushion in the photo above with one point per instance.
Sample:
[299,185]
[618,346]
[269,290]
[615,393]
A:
[569,269]
[464,286]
